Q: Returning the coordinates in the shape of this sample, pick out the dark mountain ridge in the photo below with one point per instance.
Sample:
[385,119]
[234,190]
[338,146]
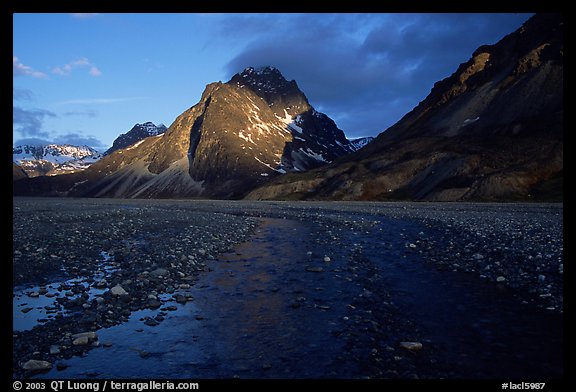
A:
[493,130]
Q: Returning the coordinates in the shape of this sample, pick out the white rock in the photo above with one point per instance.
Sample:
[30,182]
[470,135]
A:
[500,279]
[35,365]
[326,259]
[82,341]
[90,335]
[412,346]
[118,290]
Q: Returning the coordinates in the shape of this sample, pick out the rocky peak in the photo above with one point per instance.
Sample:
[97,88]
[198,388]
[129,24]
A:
[264,78]
[137,133]
[269,84]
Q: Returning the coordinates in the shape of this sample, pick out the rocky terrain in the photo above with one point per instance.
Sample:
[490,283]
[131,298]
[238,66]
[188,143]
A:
[364,271]
[493,130]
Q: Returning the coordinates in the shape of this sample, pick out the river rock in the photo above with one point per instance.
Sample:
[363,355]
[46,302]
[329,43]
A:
[101,284]
[34,294]
[154,303]
[181,299]
[89,335]
[314,269]
[326,259]
[411,346]
[81,341]
[151,322]
[158,272]
[118,290]
[36,365]
[500,279]
[54,350]
[26,310]
[83,338]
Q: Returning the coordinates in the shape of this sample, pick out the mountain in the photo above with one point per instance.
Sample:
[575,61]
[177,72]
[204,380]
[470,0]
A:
[51,159]
[137,133]
[75,165]
[493,130]
[240,135]
[360,142]
[17,172]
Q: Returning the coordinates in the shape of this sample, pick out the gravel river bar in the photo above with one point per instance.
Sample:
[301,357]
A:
[288,289]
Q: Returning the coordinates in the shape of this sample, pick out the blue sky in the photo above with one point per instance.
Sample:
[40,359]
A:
[87,78]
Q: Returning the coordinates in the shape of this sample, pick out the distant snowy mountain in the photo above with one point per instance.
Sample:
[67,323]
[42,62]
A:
[360,142]
[52,159]
[136,134]
[75,165]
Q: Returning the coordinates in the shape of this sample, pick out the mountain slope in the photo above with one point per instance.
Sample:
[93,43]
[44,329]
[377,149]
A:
[493,130]
[17,172]
[240,135]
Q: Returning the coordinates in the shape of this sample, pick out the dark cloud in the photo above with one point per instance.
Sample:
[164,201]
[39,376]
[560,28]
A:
[366,71]
[22,94]
[77,139]
[31,141]
[30,122]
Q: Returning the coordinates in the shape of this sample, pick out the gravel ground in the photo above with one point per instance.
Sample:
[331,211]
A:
[159,247]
